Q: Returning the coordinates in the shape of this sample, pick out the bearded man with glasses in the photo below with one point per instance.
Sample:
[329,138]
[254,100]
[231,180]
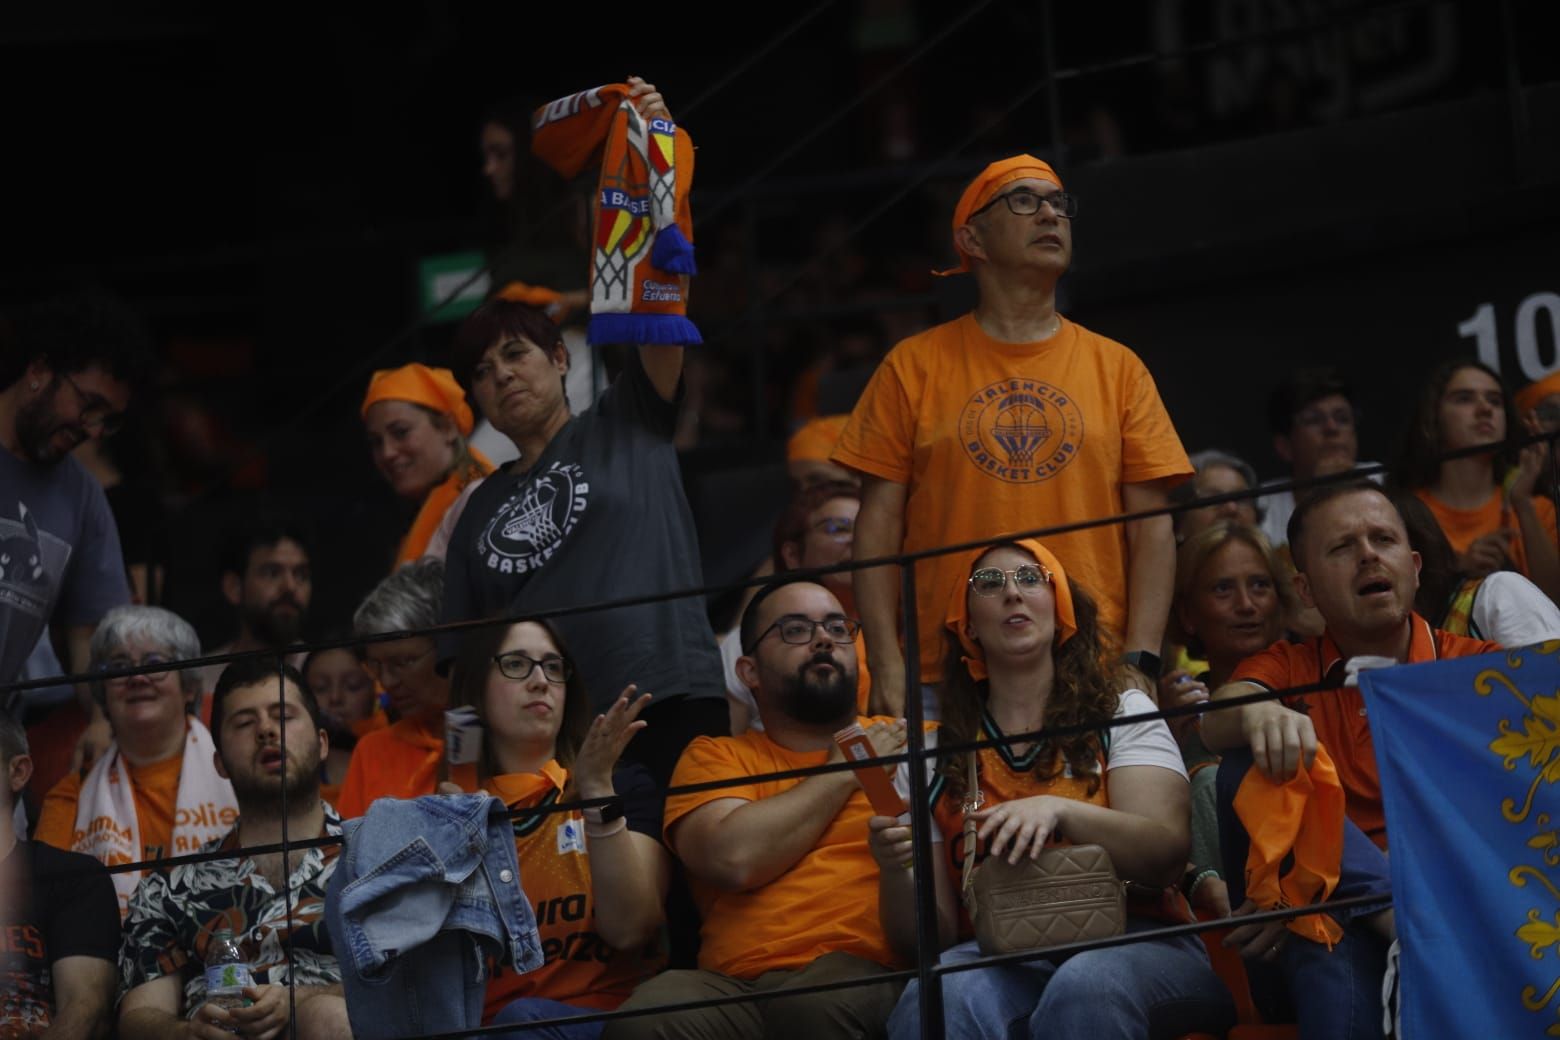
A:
[67,368]
[1008,419]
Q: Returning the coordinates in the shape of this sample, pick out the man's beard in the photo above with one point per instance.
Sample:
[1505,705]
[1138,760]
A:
[36,425]
[276,628]
[819,701]
[262,792]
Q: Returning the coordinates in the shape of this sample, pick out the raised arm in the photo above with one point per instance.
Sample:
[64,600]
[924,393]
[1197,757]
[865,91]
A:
[629,871]
[880,531]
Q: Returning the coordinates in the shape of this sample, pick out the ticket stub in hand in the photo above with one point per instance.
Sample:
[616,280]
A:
[875,780]
[462,736]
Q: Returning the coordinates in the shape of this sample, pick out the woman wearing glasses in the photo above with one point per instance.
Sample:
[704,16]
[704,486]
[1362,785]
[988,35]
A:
[155,791]
[598,878]
[406,759]
[1025,655]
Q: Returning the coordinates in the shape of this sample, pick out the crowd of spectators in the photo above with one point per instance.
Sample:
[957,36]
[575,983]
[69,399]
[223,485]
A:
[1007,419]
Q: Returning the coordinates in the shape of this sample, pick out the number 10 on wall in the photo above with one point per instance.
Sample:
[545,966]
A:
[1538,348]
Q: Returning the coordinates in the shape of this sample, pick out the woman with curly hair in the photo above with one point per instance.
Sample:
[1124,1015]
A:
[1026,655]
[1485,501]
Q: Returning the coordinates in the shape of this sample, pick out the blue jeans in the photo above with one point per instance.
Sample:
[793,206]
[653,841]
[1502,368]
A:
[1150,989]
[1333,995]
[534,1009]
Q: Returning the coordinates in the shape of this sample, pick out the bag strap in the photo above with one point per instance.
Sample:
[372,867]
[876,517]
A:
[972,803]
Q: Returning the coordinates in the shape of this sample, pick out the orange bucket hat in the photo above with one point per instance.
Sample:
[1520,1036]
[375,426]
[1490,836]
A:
[985,187]
[433,388]
[958,612]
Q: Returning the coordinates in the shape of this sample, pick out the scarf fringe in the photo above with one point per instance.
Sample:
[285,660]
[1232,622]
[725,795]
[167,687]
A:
[669,329]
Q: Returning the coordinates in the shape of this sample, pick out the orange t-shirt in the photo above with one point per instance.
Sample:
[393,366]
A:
[156,790]
[1339,716]
[826,903]
[401,761]
[1462,526]
[993,438]
[579,968]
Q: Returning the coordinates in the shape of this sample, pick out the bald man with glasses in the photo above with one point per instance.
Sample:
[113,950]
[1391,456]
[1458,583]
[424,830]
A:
[1005,420]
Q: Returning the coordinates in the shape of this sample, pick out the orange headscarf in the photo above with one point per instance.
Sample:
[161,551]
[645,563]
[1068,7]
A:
[815,441]
[958,614]
[430,387]
[984,188]
[1529,396]
[433,388]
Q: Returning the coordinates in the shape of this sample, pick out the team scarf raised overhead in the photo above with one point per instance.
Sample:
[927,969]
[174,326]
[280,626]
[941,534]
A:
[641,247]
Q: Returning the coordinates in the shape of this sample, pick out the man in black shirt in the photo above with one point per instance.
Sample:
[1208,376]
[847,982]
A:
[59,924]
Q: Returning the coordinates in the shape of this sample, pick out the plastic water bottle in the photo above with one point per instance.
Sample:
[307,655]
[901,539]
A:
[227,972]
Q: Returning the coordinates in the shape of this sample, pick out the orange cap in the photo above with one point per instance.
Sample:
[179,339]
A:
[958,615]
[1529,396]
[816,438]
[984,188]
[430,387]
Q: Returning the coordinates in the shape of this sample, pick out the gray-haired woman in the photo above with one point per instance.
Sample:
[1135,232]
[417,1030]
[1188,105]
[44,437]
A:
[155,791]
[401,761]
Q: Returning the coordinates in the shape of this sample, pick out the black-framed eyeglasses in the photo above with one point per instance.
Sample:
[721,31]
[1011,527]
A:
[1343,416]
[1027,577]
[796,629]
[94,411]
[517,664]
[121,663]
[1025,203]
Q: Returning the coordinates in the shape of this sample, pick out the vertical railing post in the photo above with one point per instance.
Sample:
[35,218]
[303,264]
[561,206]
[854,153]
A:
[927,946]
[287,900]
[1053,97]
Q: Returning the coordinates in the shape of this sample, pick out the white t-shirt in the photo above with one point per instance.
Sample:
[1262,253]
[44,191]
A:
[1146,743]
[1512,611]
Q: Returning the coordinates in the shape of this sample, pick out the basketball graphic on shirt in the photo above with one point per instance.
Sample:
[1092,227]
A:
[1021,430]
[530,526]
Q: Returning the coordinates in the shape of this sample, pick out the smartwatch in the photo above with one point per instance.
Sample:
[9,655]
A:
[1144,661]
[603,814]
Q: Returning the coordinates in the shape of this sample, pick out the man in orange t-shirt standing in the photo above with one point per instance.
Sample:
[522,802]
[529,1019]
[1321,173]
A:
[784,871]
[1008,419]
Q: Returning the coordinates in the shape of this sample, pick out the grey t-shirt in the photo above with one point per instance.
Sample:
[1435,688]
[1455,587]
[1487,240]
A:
[59,555]
[600,515]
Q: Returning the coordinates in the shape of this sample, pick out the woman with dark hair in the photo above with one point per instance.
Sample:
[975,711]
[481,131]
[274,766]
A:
[597,877]
[1503,607]
[1027,654]
[592,510]
[1484,502]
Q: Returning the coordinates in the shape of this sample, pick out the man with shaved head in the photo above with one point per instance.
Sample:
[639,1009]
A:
[1004,420]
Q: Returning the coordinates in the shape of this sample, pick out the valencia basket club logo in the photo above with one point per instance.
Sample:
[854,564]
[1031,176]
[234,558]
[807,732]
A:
[1021,430]
[528,529]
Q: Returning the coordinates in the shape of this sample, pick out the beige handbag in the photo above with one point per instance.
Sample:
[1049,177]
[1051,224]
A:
[1070,894]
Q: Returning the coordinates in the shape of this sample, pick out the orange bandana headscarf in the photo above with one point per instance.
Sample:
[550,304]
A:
[433,388]
[985,187]
[1529,396]
[958,605]
[816,440]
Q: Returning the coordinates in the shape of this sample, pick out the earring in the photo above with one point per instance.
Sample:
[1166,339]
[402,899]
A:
[34,386]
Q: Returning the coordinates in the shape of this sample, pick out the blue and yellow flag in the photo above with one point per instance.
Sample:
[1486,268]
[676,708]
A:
[1469,756]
